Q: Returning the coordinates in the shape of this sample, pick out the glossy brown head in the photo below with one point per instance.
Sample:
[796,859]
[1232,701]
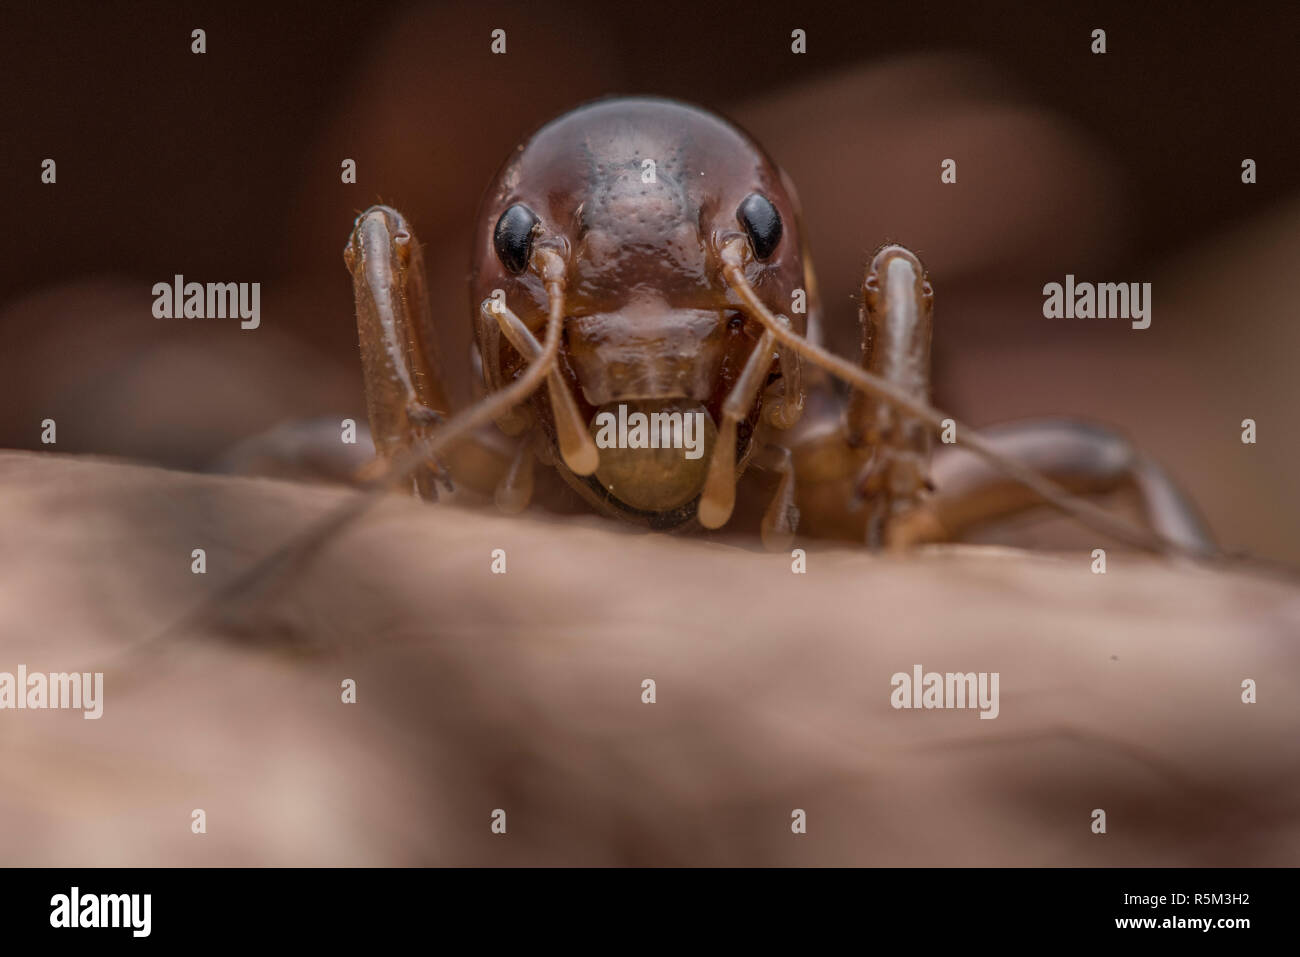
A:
[637,196]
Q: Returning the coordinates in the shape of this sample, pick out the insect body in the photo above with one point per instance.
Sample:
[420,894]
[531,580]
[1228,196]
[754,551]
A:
[641,260]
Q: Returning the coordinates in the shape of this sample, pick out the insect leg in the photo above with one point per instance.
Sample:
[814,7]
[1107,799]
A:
[733,255]
[487,363]
[781,517]
[404,392]
[897,320]
[515,490]
[1083,458]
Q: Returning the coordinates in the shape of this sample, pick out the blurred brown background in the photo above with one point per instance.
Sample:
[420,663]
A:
[225,167]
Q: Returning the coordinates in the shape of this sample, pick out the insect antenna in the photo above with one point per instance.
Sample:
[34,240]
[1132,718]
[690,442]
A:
[1090,514]
[301,547]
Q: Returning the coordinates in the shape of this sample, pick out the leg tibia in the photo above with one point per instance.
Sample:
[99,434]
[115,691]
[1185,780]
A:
[896,318]
[404,390]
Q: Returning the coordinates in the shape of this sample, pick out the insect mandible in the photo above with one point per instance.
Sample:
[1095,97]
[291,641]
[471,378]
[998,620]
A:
[641,260]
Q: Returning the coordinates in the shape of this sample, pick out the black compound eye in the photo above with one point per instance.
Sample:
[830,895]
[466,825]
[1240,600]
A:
[513,237]
[763,223]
